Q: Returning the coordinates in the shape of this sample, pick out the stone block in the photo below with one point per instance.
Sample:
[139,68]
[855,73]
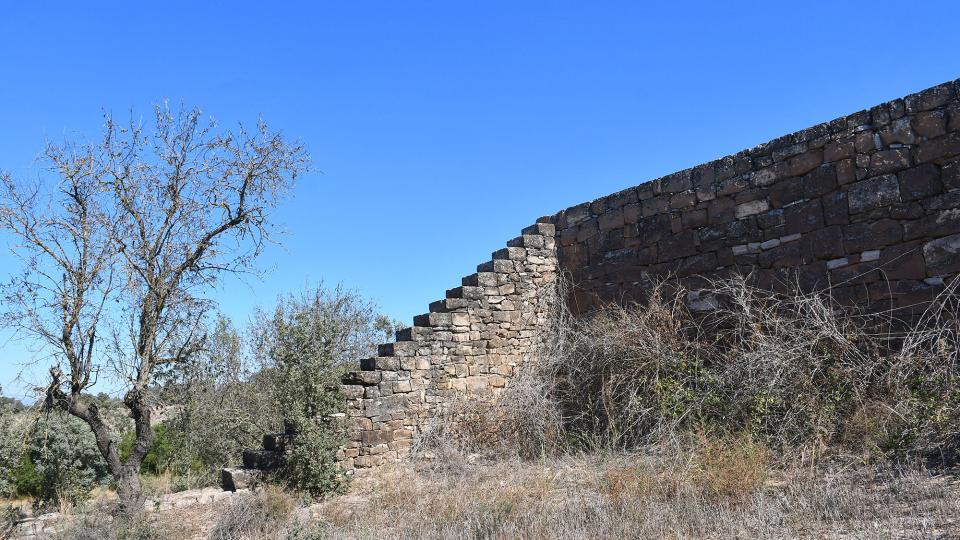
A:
[950,174]
[930,98]
[920,182]
[898,132]
[872,234]
[613,219]
[751,208]
[941,148]
[819,181]
[837,150]
[888,161]
[942,255]
[803,217]
[656,205]
[804,163]
[234,479]
[930,124]
[873,193]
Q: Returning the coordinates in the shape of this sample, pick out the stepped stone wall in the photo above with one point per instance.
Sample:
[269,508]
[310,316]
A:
[469,343]
[866,207]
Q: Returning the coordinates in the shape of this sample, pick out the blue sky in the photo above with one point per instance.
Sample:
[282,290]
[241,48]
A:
[439,129]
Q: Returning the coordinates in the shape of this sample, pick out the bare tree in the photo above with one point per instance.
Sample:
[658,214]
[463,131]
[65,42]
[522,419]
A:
[120,249]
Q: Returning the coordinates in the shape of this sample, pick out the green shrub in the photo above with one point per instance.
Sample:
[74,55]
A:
[62,462]
[309,342]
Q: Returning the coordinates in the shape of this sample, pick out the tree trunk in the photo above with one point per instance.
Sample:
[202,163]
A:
[129,490]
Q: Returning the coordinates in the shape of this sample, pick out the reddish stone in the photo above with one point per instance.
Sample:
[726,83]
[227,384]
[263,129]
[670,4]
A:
[837,150]
[865,142]
[803,217]
[697,264]
[930,124]
[904,261]
[920,182]
[821,180]
[804,163]
[835,208]
[676,182]
[784,256]
[655,205]
[785,192]
[731,186]
[825,243]
[654,229]
[611,220]
[872,234]
[930,98]
[938,149]
[888,161]
[695,218]
[675,224]
[683,200]
[721,210]
[677,246]
[632,212]
[846,172]
[587,230]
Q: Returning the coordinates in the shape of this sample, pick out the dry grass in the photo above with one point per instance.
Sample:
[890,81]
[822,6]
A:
[722,491]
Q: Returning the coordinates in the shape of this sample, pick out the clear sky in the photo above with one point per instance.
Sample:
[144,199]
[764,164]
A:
[439,129]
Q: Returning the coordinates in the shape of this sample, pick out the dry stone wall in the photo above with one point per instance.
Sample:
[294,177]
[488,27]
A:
[468,344]
[866,206]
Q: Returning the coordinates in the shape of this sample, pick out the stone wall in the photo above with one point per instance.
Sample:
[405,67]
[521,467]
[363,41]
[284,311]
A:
[468,344]
[866,206]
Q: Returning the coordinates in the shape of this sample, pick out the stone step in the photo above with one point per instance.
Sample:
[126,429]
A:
[404,334]
[510,253]
[399,348]
[542,229]
[264,460]
[362,378]
[480,279]
[277,442]
[499,266]
[466,293]
[368,364]
[239,479]
[527,241]
[432,319]
[438,306]
[414,333]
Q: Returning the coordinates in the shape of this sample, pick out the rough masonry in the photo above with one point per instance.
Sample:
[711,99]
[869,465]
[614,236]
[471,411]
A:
[865,207]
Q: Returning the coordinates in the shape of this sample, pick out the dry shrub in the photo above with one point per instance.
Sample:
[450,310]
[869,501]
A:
[258,515]
[730,469]
[793,371]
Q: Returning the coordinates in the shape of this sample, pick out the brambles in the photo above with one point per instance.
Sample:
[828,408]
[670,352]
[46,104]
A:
[791,372]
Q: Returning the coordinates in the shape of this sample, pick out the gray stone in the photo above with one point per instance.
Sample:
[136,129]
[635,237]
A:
[942,255]
[873,193]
